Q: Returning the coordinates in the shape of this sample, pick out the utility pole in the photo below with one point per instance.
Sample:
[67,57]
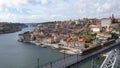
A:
[64,54]
[50,64]
[64,57]
[77,61]
[92,63]
[38,63]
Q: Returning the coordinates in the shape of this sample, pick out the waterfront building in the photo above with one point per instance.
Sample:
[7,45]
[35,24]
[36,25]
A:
[25,37]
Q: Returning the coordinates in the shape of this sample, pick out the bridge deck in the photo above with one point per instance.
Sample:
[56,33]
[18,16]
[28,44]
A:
[77,58]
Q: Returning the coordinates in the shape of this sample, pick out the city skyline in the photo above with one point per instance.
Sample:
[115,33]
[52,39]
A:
[29,11]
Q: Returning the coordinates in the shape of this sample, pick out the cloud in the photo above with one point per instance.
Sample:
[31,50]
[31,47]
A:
[44,1]
[109,6]
[48,10]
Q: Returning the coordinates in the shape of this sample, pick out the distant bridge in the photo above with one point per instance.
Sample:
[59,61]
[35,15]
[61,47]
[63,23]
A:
[111,60]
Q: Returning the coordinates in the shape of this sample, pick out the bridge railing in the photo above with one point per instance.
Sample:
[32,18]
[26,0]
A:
[62,63]
[67,61]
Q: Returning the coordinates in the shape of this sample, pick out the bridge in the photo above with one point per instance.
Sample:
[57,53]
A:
[111,61]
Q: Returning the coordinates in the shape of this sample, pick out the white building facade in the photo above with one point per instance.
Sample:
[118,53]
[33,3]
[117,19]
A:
[106,22]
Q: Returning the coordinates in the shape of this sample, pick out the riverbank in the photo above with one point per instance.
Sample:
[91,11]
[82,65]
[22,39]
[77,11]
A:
[5,32]
[24,55]
[62,49]
[11,27]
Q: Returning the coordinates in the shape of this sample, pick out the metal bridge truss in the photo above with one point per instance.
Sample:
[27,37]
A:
[112,60]
[94,63]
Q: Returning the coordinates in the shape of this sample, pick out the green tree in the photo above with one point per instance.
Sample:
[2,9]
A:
[114,36]
[89,40]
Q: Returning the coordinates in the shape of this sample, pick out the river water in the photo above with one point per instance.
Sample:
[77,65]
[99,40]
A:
[14,54]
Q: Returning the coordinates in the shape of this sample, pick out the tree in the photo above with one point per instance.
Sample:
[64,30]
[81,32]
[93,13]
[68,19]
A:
[114,36]
[89,40]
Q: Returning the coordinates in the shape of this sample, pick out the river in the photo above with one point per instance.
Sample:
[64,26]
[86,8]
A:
[14,54]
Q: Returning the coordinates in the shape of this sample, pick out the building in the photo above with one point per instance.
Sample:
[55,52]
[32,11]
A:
[117,20]
[25,37]
[95,28]
[103,36]
[106,22]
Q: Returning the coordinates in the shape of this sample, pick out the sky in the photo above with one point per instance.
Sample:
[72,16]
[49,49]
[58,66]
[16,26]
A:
[30,11]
